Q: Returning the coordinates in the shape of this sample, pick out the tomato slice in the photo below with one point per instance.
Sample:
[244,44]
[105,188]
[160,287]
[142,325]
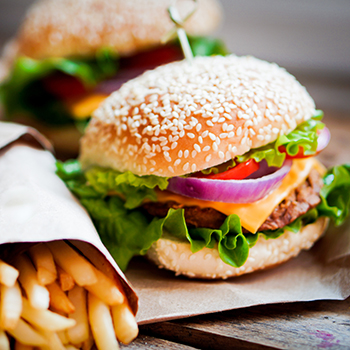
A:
[152,58]
[239,172]
[64,86]
[300,153]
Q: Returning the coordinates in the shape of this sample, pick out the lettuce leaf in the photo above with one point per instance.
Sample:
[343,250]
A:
[305,136]
[100,182]
[335,194]
[207,46]
[23,92]
[127,230]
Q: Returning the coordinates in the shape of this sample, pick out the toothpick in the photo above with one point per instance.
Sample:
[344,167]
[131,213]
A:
[179,30]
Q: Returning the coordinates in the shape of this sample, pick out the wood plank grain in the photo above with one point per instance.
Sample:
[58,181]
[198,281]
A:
[148,342]
[312,325]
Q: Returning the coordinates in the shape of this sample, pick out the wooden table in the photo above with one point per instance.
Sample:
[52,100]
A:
[306,325]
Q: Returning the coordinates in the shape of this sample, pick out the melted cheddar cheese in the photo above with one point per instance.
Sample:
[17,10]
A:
[83,108]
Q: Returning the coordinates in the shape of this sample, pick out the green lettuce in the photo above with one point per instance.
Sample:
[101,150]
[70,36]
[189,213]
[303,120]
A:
[127,230]
[304,136]
[207,46]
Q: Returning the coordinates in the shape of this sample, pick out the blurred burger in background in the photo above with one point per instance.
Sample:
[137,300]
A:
[69,55]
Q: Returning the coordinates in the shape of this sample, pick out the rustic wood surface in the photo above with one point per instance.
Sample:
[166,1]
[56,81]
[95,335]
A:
[312,325]
[307,325]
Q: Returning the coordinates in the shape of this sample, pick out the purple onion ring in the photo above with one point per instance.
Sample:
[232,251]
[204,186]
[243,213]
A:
[229,191]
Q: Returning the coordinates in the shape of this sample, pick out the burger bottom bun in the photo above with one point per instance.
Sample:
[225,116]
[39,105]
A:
[176,255]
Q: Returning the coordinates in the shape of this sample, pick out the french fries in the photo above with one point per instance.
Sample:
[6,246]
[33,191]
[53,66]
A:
[11,306]
[44,264]
[38,295]
[101,324]
[81,331]
[66,281]
[54,298]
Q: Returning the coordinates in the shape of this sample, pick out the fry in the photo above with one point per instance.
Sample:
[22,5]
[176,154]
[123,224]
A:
[54,342]
[20,346]
[96,258]
[106,289]
[66,281]
[59,300]
[73,263]
[88,344]
[4,341]
[80,332]
[11,306]
[46,319]
[125,325]
[8,274]
[38,295]
[101,324]
[71,347]
[44,264]
[26,335]
[63,337]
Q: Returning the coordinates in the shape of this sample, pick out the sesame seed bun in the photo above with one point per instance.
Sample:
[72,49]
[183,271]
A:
[182,117]
[82,27]
[176,255]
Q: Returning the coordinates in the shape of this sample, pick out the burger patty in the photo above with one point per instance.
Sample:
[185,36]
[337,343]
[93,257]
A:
[297,203]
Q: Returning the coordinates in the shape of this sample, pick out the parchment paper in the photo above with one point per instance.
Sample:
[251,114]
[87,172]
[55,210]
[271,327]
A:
[35,205]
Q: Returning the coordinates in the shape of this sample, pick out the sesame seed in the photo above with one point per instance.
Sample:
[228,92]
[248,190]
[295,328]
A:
[207,158]
[186,153]
[206,148]
[197,147]
[212,136]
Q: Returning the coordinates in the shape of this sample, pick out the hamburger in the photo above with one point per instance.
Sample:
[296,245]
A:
[69,55]
[208,168]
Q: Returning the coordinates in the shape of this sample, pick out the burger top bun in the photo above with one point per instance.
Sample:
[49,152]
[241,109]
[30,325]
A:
[183,117]
[81,27]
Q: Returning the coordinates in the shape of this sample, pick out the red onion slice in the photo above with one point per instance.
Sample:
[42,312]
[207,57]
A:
[229,191]
[323,139]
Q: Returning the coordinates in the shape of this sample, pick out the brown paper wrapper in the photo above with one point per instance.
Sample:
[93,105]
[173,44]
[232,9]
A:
[36,206]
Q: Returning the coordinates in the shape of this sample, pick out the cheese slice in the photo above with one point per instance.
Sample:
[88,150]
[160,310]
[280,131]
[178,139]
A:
[253,215]
[83,108]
